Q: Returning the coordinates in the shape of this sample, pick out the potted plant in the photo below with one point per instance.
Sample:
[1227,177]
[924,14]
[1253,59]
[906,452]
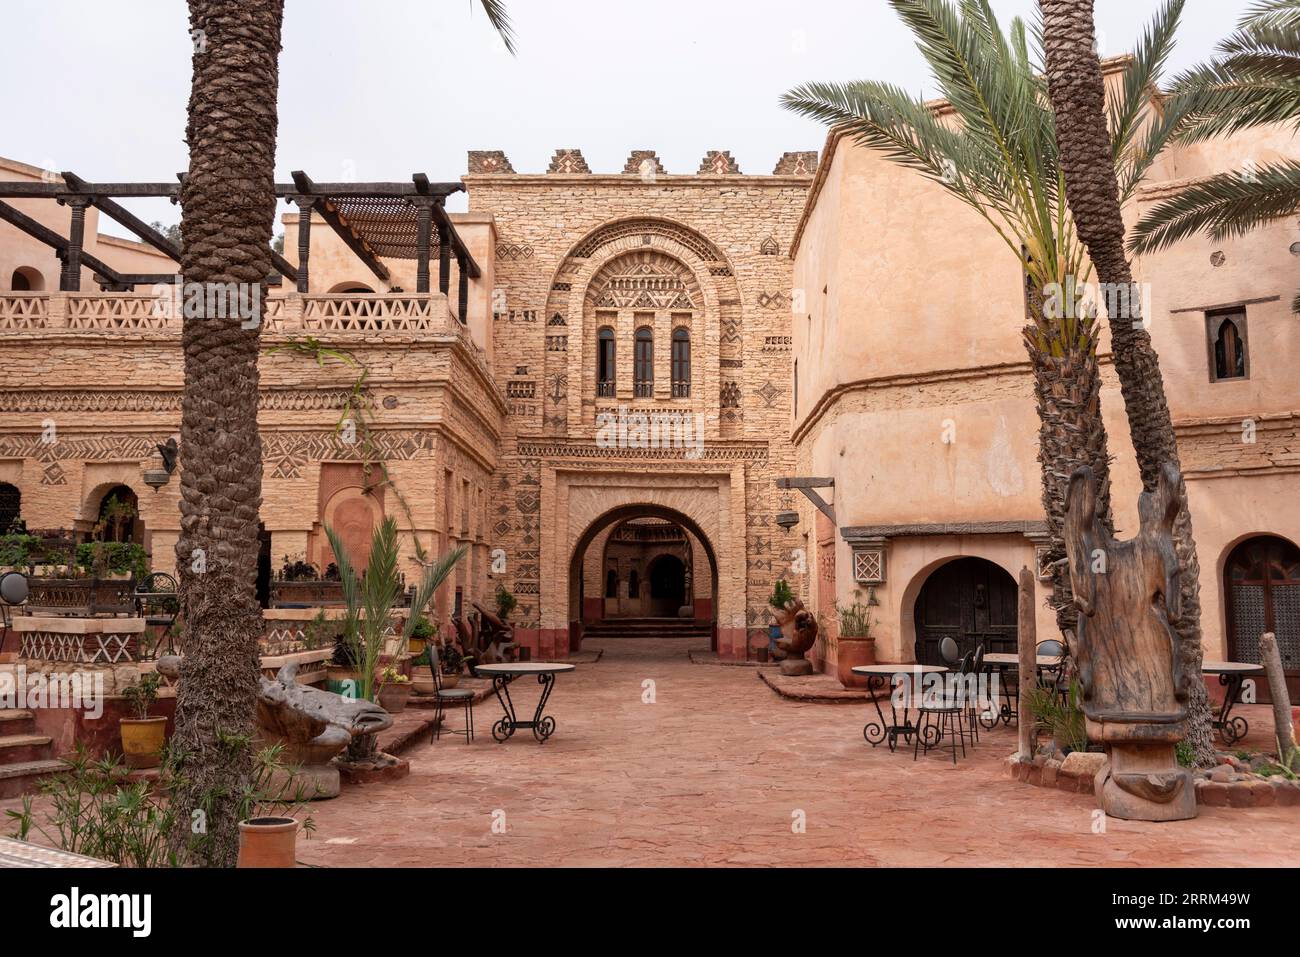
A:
[420,637]
[453,664]
[782,597]
[341,670]
[268,829]
[370,600]
[421,677]
[855,645]
[143,736]
[506,602]
[394,690]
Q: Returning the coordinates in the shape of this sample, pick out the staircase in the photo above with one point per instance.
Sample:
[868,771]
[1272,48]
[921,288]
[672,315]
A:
[25,756]
[646,628]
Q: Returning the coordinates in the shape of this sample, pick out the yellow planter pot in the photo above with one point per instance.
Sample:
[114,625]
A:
[142,741]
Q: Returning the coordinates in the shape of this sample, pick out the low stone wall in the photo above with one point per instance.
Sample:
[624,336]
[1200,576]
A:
[1218,788]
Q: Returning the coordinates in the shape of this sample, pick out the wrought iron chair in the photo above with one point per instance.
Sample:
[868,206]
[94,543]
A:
[449,697]
[949,651]
[1051,648]
[946,717]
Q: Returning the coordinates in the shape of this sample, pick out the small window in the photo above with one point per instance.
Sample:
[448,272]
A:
[681,362]
[611,584]
[605,361]
[11,507]
[1227,341]
[643,369]
[633,584]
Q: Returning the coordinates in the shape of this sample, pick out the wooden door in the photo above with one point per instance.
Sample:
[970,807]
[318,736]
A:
[970,600]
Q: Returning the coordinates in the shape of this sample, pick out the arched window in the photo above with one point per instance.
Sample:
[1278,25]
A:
[611,584]
[681,362]
[119,511]
[605,361]
[1228,337]
[1262,593]
[11,506]
[26,279]
[643,368]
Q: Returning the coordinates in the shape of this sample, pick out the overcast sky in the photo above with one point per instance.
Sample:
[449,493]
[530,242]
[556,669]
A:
[380,89]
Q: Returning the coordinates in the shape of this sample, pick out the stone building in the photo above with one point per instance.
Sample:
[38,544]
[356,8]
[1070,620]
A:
[603,389]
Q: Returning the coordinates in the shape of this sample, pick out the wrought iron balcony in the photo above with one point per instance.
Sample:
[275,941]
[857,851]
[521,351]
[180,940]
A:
[605,390]
[644,389]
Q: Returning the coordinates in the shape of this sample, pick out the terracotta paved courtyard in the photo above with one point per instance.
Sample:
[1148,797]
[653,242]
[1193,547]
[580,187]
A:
[711,774]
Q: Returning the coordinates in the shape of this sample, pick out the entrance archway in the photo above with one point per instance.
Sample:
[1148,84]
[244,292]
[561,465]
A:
[671,587]
[667,576]
[971,600]
[1261,591]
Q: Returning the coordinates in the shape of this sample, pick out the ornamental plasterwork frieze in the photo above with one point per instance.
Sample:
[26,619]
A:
[116,400]
[711,452]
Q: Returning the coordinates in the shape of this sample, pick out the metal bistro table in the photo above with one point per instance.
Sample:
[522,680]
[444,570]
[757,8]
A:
[1005,662]
[878,676]
[502,674]
[1232,675]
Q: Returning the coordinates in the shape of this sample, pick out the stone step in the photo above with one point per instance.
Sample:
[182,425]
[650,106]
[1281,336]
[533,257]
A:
[25,776]
[20,748]
[17,721]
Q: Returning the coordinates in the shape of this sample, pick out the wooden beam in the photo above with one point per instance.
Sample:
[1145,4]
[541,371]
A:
[458,247]
[70,278]
[805,483]
[351,238]
[124,216]
[462,292]
[304,243]
[43,233]
[25,190]
[423,240]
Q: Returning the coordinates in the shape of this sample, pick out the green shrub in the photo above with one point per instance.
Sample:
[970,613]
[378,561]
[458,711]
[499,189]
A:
[781,593]
[120,558]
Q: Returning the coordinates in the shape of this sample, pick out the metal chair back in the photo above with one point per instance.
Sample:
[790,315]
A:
[949,651]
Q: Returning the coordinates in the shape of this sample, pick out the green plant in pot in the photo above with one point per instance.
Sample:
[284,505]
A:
[452,663]
[424,632]
[143,735]
[784,605]
[370,601]
[394,690]
[854,645]
[1060,716]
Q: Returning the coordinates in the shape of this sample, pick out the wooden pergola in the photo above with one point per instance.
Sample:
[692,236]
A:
[376,221]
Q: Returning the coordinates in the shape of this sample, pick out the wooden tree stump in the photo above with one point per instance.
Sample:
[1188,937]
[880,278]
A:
[1130,666]
[1271,657]
[1027,638]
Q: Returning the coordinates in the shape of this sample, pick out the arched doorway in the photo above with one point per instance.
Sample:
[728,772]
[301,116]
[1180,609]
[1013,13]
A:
[1261,590]
[667,576]
[971,600]
[26,279]
[11,507]
[118,517]
[661,578]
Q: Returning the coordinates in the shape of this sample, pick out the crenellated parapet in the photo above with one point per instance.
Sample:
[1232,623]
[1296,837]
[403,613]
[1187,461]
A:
[644,164]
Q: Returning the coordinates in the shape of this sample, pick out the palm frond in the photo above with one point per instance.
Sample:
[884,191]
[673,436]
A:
[432,579]
[1230,204]
[1254,79]
[500,20]
[1142,76]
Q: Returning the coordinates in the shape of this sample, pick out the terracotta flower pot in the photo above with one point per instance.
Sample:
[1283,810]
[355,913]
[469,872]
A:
[268,842]
[422,683]
[415,646]
[450,681]
[851,652]
[142,741]
[393,697]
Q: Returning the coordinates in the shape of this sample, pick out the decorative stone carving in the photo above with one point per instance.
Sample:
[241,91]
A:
[568,161]
[1130,665]
[799,630]
[643,163]
[719,163]
[489,161]
[869,564]
[312,726]
[802,163]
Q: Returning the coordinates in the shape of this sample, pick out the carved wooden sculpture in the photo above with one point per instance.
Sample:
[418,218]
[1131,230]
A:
[311,726]
[802,637]
[1130,666]
[496,636]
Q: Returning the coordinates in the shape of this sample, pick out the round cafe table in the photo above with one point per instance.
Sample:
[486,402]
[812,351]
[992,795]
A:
[1005,662]
[878,676]
[543,726]
[1232,675]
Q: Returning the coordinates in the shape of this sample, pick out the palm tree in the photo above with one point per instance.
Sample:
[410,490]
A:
[1000,158]
[1255,81]
[228,207]
[1098,180]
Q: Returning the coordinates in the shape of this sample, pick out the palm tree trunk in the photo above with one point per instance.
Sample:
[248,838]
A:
[1071,433]
[1078,99]
[228,202]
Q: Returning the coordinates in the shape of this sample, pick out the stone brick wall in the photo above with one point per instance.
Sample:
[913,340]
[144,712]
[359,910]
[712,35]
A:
[720,239]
